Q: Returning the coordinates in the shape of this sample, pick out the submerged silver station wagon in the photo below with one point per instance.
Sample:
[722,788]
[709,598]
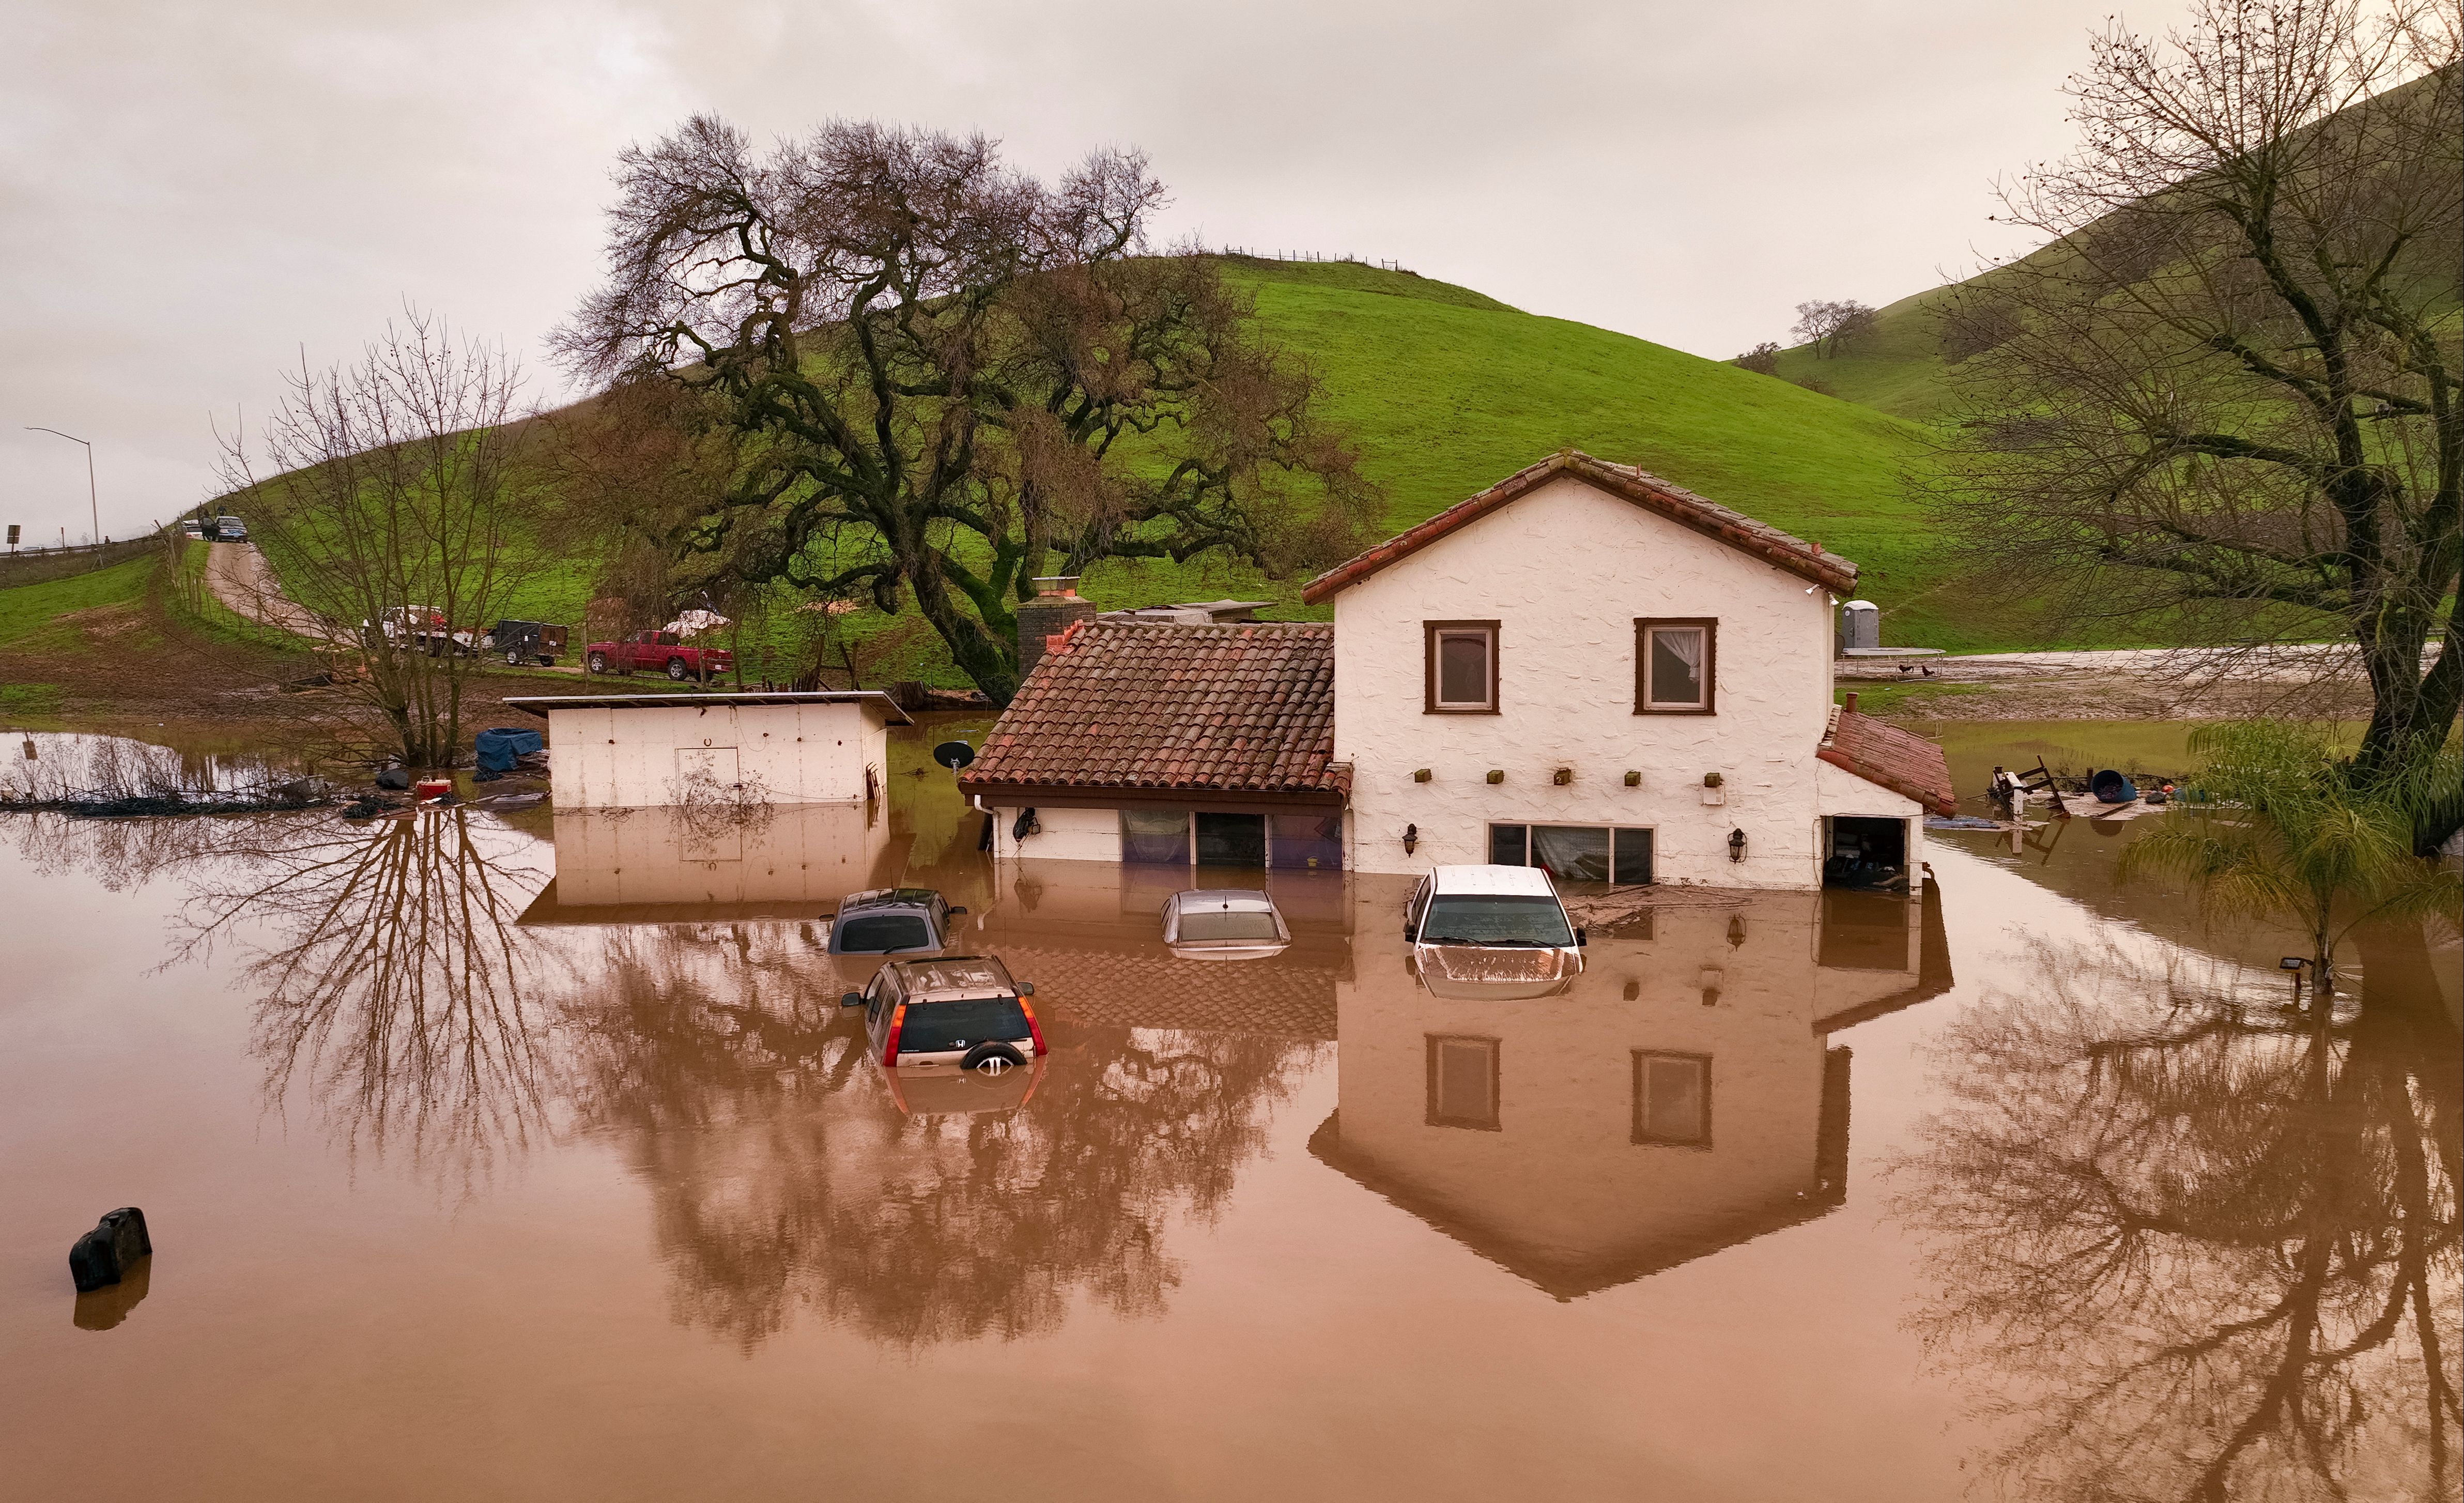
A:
[954,1010]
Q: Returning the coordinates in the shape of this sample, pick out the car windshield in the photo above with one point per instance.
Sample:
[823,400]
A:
[1495,919]
[1237,923]
[880,932]
[933,1027]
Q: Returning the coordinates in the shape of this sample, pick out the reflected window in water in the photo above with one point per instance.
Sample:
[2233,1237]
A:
[1672,1099]
[1463,1082]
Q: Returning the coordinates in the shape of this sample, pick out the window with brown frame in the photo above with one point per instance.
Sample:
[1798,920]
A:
[1675,664]
[1462,1081]
[1672,1099]
[1460,667]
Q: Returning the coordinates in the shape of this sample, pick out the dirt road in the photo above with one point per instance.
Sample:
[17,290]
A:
[241,579]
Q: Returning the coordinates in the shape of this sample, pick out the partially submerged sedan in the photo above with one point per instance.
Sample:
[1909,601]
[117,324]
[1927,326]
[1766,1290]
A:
[1224,923]
[954,1009]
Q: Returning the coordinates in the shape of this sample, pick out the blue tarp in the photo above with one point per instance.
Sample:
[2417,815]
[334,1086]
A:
[499,745]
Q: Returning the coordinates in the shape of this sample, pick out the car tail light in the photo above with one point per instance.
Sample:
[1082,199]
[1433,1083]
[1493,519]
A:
[890,1045]
[1032,1026]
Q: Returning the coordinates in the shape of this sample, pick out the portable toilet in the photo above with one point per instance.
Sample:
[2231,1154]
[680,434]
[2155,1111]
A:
[1861,625]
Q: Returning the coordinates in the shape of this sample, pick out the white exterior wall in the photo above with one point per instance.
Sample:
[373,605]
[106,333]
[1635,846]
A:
[1840,791]
[1566,570]
[1067,834]
[637,757]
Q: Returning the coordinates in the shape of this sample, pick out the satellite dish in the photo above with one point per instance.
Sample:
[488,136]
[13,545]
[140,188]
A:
[954,754]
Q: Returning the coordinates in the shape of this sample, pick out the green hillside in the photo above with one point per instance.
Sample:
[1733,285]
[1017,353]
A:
[1898,369]
[1445,391]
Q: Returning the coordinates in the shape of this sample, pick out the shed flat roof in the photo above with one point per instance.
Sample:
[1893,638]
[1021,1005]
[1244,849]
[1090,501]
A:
[540,704]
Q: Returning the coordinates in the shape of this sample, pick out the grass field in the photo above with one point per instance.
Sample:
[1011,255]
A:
[31,615]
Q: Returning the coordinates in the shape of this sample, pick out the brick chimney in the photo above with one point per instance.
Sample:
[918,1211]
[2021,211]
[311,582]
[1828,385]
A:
[1054,609]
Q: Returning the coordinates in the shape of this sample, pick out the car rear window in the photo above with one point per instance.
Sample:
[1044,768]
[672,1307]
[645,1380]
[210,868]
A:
[1499,919]
[933,1027]
[880,932]
[1221,925]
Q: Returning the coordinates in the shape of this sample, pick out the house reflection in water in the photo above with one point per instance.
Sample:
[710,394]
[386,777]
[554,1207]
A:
[686,864]
[1680,1097]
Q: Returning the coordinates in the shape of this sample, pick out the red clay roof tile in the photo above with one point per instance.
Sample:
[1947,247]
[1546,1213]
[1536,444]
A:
[1805,559]
[1245,708]
[1882,754]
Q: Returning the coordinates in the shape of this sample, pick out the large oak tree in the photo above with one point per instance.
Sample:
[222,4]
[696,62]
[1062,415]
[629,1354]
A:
[948,378]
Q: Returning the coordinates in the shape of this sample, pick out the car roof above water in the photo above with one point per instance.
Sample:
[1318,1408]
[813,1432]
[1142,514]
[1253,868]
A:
[887,897]
[950,978]
[1522,881]
[1224,898]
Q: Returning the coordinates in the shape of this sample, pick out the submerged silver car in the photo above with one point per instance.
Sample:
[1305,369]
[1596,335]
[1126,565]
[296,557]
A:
[1224,923]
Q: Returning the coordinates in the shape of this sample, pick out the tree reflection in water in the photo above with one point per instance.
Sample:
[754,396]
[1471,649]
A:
[2209,1241]
[784,1177]
[394,987]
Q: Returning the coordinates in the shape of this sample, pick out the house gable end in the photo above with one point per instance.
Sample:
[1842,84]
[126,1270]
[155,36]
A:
[1644,491]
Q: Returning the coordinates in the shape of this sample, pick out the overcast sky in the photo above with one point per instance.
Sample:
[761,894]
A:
[192,194]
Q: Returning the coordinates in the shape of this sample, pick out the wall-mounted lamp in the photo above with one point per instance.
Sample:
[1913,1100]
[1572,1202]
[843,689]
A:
[1419,775]
[1633,990]
[1497,775]
[1736,845]
[1632,778]
[1563,776]
[1411,838]
[1736,930]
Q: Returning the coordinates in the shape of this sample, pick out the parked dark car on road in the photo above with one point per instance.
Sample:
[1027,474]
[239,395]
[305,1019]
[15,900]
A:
[954,1010]
[892,920]
[518,640]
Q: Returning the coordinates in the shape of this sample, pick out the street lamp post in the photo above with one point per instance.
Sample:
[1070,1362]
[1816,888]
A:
[89,496]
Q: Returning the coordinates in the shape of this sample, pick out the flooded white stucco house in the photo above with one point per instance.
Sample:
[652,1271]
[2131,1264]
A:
[1582,667]
[1588,667]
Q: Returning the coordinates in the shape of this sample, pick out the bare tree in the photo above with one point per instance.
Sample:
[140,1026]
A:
[389,492]
[1831,326]
[1762,358]
[2226,400]
[950,378]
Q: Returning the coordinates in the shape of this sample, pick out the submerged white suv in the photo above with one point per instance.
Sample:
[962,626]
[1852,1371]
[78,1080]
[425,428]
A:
[1491,931]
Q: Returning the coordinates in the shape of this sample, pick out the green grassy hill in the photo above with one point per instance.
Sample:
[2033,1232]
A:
[1445,391]
[1898,369]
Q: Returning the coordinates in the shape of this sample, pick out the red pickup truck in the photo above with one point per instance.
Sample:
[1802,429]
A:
[659,650]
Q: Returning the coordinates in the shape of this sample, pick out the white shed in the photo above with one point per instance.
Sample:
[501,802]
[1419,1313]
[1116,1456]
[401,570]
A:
[651,750]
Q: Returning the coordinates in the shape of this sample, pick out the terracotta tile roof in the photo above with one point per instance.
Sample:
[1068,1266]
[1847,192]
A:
[1900,760]
[1239,709]
[1805,559]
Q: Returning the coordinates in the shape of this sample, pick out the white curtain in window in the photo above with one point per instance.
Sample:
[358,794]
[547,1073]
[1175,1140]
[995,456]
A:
[1678,682]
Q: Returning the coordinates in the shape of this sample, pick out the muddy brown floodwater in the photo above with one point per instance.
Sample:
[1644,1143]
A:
[496,1160]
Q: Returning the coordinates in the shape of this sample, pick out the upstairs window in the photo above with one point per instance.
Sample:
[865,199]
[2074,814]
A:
[1461,669]
[1676,665]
